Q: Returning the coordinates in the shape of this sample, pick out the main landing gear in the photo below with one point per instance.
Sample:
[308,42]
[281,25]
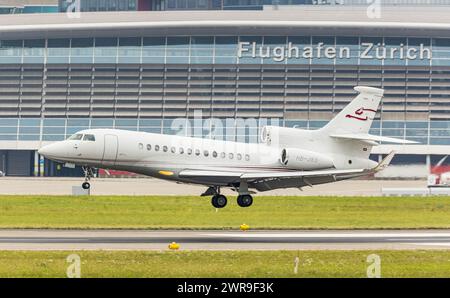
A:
[88,174]
[244,200]
[219,201]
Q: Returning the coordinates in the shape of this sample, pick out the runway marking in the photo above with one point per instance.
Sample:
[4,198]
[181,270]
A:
[412,239]
[433,244]
[328,235]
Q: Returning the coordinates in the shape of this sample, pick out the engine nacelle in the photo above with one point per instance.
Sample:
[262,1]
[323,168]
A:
[286,137]
[279,136]
[299,159]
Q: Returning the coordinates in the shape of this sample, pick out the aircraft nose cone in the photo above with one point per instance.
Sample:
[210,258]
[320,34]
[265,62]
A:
[45,151]
[55,151]
[42,151]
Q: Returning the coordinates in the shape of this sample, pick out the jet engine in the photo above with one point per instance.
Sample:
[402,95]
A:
[298,159]
[286,137]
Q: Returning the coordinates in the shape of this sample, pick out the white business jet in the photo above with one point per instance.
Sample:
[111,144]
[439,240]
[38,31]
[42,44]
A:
[285,157]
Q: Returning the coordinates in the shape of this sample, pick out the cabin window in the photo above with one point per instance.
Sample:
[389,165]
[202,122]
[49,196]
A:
[205,153]
[181,150]
[165,148]
[90,138]
[230,155]
[214,154]
[239,156]
[247,157]
[149,147]
[223,155]
[173,149]
[76,137]
[141,146]
[197,152]
[189,151]
[156,147]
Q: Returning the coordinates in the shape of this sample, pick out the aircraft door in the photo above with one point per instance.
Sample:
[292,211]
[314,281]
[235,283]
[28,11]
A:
[111,147]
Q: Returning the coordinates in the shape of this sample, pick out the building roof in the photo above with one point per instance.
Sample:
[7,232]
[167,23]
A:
[298,20]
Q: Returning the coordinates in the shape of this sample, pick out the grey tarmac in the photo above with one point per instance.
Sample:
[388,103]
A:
[151,186]
[223,240]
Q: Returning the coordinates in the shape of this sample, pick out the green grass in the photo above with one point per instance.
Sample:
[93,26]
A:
[170,212]
[224,263]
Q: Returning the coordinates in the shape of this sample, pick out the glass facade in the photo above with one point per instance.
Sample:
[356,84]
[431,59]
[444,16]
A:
[28,9]
[259,50]
[56,129]
[100,5]
[167,5]
[51,88]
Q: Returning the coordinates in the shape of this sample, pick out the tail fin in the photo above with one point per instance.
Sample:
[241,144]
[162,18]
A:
[358,115]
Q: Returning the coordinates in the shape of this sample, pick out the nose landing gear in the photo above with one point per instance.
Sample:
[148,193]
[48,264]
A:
[86,185]
[88,174]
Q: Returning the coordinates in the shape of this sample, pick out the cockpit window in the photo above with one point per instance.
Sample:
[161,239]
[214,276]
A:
[89,138]
[77,136]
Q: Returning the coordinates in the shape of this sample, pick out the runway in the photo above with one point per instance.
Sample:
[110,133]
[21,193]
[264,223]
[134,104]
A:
[222,240]
[150,186]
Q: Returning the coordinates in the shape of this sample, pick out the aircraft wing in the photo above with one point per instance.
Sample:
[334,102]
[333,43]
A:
[263,174]
[188,173]
[266,180]
[296,174]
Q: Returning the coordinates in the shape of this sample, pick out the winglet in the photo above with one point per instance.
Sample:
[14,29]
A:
[385,162]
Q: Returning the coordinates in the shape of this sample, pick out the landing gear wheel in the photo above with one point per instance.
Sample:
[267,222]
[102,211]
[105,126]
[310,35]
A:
[86,185]
[88,174]
[245,200]
[219,201]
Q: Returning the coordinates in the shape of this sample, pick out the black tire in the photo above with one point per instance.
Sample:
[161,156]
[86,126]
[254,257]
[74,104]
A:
[219,201]
[86,185]
[245,200]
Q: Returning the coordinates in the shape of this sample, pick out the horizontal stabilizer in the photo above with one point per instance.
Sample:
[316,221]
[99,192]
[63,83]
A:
[368,137]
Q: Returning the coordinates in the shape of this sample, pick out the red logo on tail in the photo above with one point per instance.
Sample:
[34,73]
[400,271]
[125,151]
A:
[359,114]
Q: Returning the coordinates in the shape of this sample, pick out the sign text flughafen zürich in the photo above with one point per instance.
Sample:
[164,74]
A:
[320,50]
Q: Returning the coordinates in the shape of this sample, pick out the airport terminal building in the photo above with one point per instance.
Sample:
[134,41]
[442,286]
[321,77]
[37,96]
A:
[287,65]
